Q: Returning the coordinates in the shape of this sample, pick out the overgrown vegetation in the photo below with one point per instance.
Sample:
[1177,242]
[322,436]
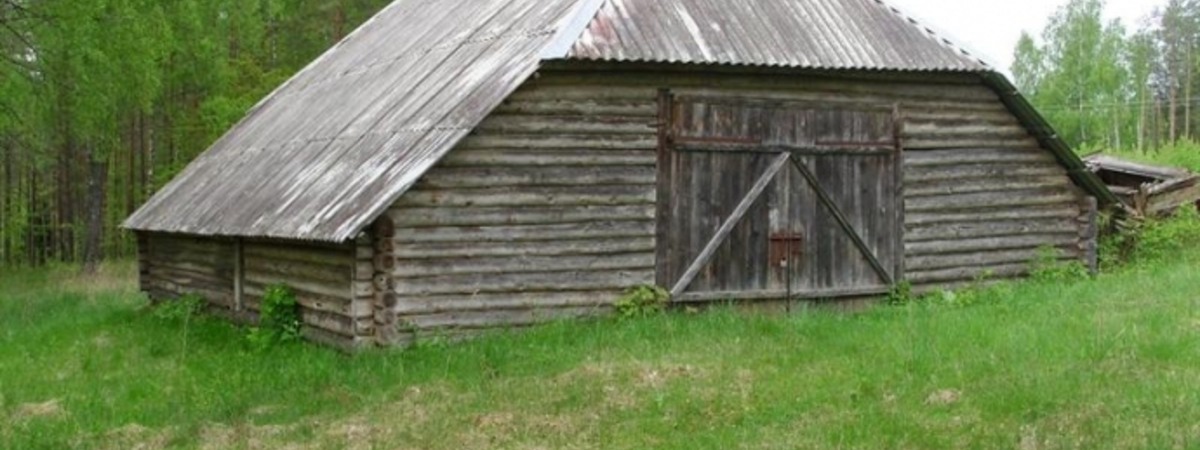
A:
[1049,363]
[278,321]
[641,301]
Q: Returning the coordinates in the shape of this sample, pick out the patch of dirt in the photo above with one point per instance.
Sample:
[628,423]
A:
[135,436]
[51,408]
[943,397]
[656,377]
[1029,439]
[249,436]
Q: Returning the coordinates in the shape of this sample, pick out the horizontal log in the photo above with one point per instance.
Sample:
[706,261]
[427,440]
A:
[940,142]
[302,286]
[645,141]
[717,297]
[968,274]
[950,231]
[552,91]
[436,304]
[958,116]
[632,107]
[495,177]
[962,130]
[333,323]
[532,196]
[570,231]
[340,257]
[524,282]
[498,318]
[569,124]
[291,270]
[991,184]
[334,340]
[1022,198]
[1032,156]
[309,300]
[440,251]
[522,264]
[549,157]
[989,244]
[1059,211]
[972,172]
[212,294]
[200,268]
[183,276]
[982,258]
[447,217]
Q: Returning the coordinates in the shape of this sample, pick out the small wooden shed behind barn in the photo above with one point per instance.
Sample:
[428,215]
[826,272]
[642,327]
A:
[455,165]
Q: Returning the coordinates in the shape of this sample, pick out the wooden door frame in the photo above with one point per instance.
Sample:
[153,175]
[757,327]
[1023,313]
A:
[667,147]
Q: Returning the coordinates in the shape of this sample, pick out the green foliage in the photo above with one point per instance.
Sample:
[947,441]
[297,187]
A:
[901,294]
[278,321]
[1048,267]
[180,309]
[641,301]
[1163,239]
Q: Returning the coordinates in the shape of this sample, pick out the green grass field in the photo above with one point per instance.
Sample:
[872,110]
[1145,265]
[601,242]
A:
[1111,363]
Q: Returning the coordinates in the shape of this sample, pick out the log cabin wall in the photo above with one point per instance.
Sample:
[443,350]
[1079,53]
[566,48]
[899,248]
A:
[319,275]
[548,208]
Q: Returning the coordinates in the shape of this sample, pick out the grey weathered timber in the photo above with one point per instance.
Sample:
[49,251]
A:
[727,226]
[460,165]
[843,222]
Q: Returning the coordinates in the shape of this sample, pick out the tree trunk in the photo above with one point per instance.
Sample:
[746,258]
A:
[1141,122]
[1172,112]
[1187,100]
[96,181]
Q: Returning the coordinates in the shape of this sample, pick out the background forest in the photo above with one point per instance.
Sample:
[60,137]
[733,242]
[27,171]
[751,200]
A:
[104,101]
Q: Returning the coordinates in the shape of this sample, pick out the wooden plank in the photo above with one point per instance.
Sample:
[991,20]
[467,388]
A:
[741,296]
[983,258]
[549,215]
[941,142]
[645,141]
[586,195]
[559,157]
[973,172]
[555,232]
[583,107]
[524,282]
[566,176]
[451,250]
[843,222]
[1059,211]
[971,245]
[772,148]
[478,320]
[953,187]
[736,216]
[436,304]
[968,230]
[521,264]
[605,126]
[664,265]
[986,200]
[968,273]
[975,156]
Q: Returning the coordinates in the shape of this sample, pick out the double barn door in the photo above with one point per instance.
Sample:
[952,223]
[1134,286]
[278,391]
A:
[770,200]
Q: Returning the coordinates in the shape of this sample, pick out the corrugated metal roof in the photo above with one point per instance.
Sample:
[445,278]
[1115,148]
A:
[333,147]
[825,34]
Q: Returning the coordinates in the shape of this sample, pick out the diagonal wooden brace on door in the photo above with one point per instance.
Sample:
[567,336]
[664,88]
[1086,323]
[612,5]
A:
[843,222]
[727,227]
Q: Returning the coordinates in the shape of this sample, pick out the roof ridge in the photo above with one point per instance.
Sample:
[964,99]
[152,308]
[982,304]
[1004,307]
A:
[572,29]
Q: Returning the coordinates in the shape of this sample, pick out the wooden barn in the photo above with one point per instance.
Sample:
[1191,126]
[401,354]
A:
[455,165]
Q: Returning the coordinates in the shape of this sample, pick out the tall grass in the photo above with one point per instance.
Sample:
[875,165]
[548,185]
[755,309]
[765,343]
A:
[1104,363]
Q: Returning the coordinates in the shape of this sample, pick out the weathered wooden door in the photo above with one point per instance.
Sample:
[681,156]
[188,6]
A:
[772,200]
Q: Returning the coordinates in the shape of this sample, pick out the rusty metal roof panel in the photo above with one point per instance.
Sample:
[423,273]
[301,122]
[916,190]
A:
[330,149]
[824,34]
